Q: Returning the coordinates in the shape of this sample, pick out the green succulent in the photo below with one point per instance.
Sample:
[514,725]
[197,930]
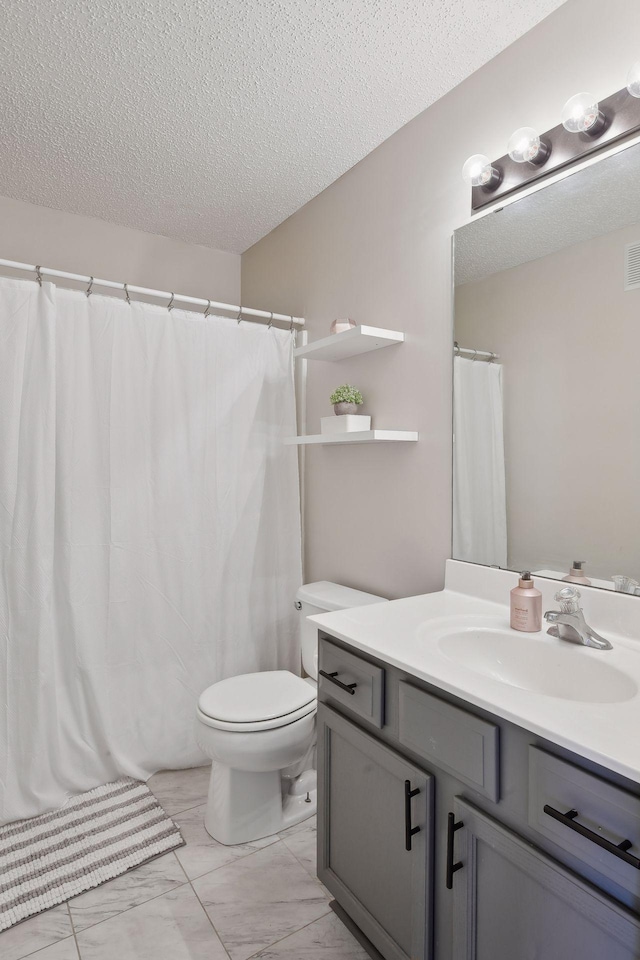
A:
[346,394]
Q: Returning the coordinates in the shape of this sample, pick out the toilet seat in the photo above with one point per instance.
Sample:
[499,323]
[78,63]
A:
[256,701]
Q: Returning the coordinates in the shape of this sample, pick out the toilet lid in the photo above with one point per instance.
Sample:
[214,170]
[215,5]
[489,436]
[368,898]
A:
[254,697]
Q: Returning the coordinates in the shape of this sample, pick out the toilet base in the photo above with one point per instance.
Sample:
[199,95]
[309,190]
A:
[301,800]
[243,806]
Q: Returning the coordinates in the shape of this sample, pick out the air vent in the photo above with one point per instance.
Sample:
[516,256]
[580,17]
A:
[632,267]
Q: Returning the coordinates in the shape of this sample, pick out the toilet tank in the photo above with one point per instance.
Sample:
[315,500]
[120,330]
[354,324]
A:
[322,597]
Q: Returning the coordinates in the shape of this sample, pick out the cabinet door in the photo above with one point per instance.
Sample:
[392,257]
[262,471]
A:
[365,816]
[511,901]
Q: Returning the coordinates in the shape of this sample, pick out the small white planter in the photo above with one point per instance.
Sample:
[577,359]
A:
[347,423]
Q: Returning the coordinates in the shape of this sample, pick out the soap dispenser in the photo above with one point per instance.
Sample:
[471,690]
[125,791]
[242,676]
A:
[526,605]
[576,574]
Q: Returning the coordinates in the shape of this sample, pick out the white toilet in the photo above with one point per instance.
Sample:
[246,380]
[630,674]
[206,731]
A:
[260,731]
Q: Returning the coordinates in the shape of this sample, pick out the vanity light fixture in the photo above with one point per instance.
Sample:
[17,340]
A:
[588,126]
[479,172]
[582,114]
[526,146]
[633,80]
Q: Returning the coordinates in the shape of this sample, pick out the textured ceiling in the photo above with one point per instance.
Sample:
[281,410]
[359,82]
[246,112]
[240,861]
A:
[594,201]
[214,121]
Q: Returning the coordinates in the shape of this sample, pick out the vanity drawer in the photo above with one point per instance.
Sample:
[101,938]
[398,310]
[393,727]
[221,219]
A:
[599,811]
[451,738]
[351,681]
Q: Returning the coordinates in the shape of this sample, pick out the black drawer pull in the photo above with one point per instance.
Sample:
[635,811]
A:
[618,850]
[452,826]
[409,831]
[348,687]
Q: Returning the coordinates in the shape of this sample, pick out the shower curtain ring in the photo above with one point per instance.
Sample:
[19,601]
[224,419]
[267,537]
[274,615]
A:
[38,276]
[207,308]
[475,354]
[88,290]
[270,324]
[291,326]
[170,304]
[126,293]
[239,317]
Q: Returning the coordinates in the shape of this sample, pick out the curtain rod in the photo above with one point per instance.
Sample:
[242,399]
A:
[476,354]
[146,291]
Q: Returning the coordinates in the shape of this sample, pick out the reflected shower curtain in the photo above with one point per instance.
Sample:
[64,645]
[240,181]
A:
[479,494]
[149,532]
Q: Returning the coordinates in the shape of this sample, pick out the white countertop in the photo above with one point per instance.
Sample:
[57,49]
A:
[407,634]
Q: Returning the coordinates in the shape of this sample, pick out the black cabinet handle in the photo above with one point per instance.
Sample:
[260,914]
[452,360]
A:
[409,831]
[618,850]
[348,687]
[452,826]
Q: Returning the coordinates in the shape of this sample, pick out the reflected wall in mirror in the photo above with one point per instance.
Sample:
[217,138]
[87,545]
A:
[547,436]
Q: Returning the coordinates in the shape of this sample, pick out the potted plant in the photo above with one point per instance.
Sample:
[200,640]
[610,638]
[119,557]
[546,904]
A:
[346,399]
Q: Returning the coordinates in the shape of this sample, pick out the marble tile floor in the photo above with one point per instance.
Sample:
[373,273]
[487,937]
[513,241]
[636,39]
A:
[205,901]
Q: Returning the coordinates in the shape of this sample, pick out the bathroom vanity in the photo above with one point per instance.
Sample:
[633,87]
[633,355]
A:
[468,811]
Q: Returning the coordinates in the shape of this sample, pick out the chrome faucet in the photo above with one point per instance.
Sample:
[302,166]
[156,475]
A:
[569,623]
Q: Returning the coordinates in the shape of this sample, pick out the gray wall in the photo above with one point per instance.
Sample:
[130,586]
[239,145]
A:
[568,336]
[375,246]
[65,241]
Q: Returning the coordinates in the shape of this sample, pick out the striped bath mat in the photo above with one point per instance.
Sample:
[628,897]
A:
[95,837]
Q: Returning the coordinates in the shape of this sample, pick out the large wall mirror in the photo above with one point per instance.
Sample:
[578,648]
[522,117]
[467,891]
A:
[547,415]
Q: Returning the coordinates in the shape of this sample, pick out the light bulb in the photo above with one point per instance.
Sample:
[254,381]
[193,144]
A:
[581,114]
[633,80]
[478,172]
[525,146]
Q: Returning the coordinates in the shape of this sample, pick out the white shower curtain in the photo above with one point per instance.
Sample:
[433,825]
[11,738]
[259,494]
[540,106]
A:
[479,494]
[149,531]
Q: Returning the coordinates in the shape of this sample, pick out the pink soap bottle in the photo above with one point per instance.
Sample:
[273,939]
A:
[526,605]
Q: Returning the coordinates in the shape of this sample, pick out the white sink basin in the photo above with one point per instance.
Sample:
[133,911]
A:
[534,662]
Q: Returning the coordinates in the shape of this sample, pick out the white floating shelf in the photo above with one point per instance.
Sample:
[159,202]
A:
[350,343]
[357,436]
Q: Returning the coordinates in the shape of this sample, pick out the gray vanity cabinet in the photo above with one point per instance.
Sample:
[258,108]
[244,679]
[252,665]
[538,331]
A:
[375,841]
[511,902]
[544,865]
